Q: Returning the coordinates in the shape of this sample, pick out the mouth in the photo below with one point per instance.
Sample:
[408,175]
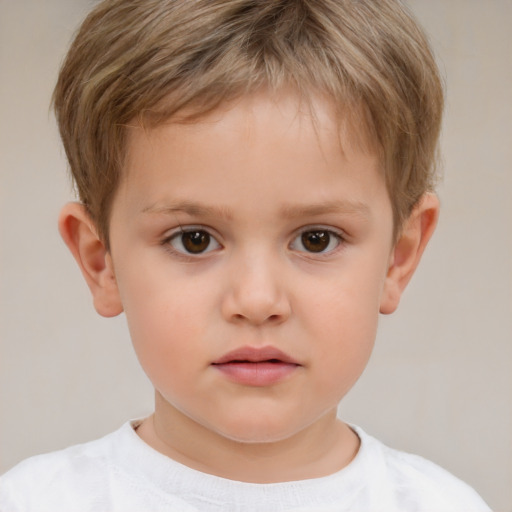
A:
[258,367]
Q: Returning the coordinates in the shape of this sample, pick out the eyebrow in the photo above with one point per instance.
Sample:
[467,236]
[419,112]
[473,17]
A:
[312,210]
[288,211]
[189,207]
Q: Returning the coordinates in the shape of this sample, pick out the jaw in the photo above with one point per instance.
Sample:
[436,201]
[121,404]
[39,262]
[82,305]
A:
[321,449]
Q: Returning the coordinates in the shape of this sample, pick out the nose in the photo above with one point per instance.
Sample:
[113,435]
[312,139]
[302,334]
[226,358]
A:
[256,293]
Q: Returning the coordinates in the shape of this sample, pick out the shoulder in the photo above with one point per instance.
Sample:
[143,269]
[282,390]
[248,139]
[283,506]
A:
[106,474]
[416,483]
[56,480]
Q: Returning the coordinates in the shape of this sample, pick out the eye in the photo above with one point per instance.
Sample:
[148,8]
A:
[316,240]
[193,241]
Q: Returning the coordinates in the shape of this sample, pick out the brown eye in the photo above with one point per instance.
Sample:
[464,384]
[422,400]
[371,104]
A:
[316,241]
[194,241]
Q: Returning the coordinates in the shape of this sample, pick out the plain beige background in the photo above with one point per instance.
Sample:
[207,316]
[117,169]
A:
[440,381]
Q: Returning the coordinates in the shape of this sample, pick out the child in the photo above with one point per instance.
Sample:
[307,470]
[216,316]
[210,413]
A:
[256,186]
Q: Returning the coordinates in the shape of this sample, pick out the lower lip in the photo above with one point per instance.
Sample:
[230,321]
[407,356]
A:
[256,374]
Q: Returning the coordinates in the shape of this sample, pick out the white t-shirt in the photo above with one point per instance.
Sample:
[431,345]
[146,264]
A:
[120,472]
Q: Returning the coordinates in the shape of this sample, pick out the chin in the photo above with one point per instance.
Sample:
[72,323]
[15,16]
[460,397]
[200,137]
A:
[257,432]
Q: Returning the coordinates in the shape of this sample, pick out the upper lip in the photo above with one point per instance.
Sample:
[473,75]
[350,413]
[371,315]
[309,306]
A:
[255,355]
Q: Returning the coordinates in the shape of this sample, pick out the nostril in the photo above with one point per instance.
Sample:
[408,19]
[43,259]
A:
[275,318]
[254,307]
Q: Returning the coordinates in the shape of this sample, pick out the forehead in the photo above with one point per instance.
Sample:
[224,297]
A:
[350,121]
[256,166]
[261,136]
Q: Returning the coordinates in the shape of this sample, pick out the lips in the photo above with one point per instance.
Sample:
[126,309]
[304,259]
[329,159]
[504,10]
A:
[262,366]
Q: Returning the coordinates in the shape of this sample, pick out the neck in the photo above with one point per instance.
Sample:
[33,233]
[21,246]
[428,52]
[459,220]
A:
[318,450]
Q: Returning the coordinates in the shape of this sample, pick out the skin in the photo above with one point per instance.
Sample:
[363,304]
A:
[254,176]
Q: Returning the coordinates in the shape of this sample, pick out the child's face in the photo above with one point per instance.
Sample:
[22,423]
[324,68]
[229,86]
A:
[253,230]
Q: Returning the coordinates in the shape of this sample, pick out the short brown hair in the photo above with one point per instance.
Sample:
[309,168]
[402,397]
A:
[149,59]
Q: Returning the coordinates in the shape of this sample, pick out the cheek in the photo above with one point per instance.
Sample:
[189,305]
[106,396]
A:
[345,306]
[349,334]
[342,321]
[165,327]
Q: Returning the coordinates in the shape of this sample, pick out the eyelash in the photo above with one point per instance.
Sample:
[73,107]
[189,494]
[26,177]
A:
[178,235]
[332,236]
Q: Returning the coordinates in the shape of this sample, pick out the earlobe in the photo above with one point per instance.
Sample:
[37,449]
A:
[407,252]
[79,234]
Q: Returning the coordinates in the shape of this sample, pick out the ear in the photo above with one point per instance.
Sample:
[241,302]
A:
[407,251]
[80,235]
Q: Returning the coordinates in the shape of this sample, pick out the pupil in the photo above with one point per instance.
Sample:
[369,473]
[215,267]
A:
[315,241]
[195,241]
